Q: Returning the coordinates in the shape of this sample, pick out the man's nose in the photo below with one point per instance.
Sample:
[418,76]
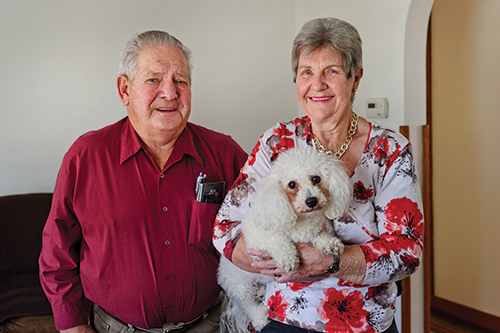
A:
[168,90]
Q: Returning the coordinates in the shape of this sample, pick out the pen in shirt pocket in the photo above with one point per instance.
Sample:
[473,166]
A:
[202,178]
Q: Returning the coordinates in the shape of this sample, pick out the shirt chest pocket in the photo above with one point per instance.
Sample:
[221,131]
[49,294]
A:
[201,225]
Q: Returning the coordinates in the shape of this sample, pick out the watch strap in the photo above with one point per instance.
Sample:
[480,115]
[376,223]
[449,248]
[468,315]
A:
[334,267]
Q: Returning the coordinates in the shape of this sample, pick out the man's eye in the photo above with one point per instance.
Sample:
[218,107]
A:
[316,179]
[292,185]
[152,80]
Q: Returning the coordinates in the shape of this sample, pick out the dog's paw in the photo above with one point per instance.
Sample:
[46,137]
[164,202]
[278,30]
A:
[334,246]
[285,256]
[288,264]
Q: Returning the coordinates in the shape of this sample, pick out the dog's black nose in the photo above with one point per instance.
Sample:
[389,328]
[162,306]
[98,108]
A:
[311,202]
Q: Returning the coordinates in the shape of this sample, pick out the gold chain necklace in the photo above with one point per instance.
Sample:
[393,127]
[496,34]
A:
[352,130]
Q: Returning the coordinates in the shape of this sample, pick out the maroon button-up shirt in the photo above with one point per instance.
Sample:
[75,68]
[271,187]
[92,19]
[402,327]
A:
[130,237]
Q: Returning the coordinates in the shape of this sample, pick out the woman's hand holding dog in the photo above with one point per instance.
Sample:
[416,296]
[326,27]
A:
[311,268]
[313,265]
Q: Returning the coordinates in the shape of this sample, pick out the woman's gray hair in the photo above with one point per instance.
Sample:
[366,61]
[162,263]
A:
[333,34]
[153,38]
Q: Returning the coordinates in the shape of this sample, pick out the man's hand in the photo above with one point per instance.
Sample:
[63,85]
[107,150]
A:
[79,329]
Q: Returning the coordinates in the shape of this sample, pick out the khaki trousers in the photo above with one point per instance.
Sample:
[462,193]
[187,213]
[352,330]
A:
[207,323]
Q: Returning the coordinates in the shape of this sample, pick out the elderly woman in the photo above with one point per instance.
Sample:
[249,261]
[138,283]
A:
[383,228]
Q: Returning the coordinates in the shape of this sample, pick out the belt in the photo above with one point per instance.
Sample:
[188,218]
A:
[114,325]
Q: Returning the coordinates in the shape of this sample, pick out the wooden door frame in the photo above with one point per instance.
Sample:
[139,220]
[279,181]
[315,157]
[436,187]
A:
[427,189]
[432,302]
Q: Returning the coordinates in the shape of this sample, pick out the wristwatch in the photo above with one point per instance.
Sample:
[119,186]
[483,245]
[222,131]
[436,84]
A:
[334,267]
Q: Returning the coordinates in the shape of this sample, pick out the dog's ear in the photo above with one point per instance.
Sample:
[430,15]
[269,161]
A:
[273,211]
[339,188]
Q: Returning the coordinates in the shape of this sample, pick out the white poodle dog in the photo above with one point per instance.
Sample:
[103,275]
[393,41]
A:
[296,202]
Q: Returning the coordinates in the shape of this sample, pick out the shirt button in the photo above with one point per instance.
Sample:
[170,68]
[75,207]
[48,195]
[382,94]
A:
[168,276]
[162,176]
[167,242]
[164,209]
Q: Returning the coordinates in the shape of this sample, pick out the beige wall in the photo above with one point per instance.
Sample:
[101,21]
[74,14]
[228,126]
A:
[466,156]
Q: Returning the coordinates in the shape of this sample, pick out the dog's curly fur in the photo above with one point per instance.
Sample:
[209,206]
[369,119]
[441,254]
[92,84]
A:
[296,202]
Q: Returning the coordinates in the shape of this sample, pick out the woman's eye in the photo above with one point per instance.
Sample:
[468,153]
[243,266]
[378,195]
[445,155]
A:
[292,185]
[316,179]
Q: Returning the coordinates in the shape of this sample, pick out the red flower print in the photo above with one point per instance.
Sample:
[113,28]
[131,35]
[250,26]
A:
[410,262]
[345,283]
[296,286]
[282,131]
[228,250]
[382,154]
[402,212]
[301,121]
[393,156]
[241,178]
[380,251]
[405,220]
[223,226]
[277,307]
[344,311]
[251,158]
[361,193]
[280,141]
[283,145]
[381,148]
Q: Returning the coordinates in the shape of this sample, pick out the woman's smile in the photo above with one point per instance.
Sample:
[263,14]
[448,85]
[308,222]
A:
[321,99]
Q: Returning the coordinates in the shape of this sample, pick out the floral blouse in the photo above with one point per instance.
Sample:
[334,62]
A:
[385,218]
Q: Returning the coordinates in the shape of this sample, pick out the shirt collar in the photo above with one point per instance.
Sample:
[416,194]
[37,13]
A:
[131,144]
[185,144]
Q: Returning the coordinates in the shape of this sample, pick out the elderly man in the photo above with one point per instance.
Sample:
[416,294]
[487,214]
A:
[130,227]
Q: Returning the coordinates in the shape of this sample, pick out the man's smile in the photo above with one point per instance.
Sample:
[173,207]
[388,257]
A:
[166,109]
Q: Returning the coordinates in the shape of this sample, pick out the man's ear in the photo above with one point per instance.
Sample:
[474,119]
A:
[123,85]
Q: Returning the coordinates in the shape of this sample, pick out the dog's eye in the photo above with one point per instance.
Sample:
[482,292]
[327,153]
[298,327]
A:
[292,185]
[316,179]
